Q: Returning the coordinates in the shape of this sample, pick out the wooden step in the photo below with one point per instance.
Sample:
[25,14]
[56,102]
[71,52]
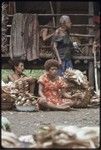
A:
[48,47]
[74,57]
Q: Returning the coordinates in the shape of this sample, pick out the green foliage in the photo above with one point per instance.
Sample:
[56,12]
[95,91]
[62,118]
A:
[5,124]
[36,73]
[4,74]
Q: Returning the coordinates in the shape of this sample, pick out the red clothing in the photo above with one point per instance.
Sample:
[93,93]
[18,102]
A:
[52,90]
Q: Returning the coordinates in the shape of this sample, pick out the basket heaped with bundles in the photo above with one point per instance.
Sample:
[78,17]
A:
[78,87]
[7,95]
[25,101]
[18,92]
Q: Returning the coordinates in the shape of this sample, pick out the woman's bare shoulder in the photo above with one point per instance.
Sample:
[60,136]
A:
[11,76]
[43,76]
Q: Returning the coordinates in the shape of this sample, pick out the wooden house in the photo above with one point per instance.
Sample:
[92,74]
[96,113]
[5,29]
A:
[81,14]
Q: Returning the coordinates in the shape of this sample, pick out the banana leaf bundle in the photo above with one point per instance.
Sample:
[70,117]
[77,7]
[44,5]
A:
[67,137]
[10,140]
[50,136]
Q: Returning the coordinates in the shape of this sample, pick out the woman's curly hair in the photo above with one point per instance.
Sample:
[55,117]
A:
[51,63]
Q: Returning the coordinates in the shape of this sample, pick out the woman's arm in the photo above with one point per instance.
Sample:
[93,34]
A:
[76,95]
[45,35]
[41,91]
[11,78]
[56,52]
[29,79]
[65,94]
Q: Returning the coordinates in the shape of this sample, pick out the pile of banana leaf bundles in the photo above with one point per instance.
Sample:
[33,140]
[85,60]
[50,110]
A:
[78,87]
[18,92]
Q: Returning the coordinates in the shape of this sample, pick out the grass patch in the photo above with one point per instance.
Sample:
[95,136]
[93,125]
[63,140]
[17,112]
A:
[36,73]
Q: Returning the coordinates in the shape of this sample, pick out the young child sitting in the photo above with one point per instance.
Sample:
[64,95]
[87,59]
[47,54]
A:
[52,89]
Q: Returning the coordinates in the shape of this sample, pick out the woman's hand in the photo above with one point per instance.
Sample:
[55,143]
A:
[60,62]
[77,95]
[65,94]
[28,79]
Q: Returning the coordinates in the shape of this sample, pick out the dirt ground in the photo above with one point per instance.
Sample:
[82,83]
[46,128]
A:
[23,123]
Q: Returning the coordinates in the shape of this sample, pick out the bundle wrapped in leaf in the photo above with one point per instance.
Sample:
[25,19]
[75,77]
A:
[10,140]
[50,136]
[78,87]
[67,137]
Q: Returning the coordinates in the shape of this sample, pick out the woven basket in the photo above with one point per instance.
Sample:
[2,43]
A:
[7,102]
[6,105]
[26,108]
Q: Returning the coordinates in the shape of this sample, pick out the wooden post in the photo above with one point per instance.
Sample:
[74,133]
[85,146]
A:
[58,6]
[4,28]
[12,7]
[52,11]
[91,64]
[95,71]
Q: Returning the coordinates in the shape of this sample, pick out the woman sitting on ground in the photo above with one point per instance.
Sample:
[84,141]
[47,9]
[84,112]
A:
[52,89]
[18,75]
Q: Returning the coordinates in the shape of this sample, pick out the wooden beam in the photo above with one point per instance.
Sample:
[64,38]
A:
[72,34]
[75,25]
[83,57]
[74,57]
[85,15]
[82,35]
[83,25]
